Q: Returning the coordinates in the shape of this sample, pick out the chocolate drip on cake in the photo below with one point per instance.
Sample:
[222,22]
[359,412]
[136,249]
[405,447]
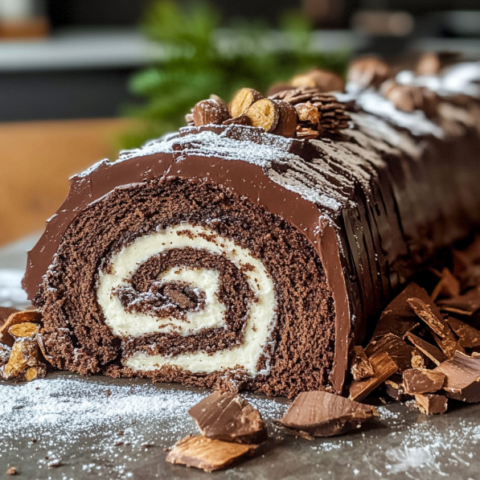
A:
[337,223]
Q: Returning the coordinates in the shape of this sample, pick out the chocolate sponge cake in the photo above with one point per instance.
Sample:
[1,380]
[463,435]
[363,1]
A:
[226,254]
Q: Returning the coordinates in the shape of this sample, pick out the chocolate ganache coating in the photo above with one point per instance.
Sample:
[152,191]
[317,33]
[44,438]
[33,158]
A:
[339,224]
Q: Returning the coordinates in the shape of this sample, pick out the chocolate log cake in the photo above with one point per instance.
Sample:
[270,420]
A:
[251,251]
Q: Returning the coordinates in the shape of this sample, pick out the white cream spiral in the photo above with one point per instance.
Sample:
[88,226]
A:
[261,316]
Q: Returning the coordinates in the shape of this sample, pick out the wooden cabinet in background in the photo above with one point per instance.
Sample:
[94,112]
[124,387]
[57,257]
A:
[36,160]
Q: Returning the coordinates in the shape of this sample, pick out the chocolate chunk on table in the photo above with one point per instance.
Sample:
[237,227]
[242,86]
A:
[462,380]
[399,351]
[468,337]
[207,454]
[383,367]
[395,389]
[466,304]
[418,380]
[322,414]
[431,404]
[229,417]
[429,350]
[360,367]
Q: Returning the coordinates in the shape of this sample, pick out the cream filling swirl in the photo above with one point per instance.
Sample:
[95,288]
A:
[259,324]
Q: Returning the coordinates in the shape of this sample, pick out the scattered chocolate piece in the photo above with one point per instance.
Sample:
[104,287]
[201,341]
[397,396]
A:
[429,350]
[418,380]
[430,315]
[431,404]
[468,337]
[55,464]
[398,317]
[240,120]
[264,113]
[229,417]
[287,122]
[207,454]
[462,374]
[322,414]
[449,345]
[466,304]
[108,392]
[447,287]
[368,72]
[418,360]
[31,316]
[323,80]
[395,390]
[243,100]
[119,444]
[360,367]
[209,112]
[12,471]
[399,351]
[24,359]
[307,113]
[383,366]
[409,98]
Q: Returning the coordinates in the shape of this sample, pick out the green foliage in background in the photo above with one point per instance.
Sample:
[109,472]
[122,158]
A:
[199,57]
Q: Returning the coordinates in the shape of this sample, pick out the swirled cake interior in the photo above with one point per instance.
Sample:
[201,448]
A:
[183,280]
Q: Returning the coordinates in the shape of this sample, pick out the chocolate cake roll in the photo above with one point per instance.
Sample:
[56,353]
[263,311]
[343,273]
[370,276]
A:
[227,255]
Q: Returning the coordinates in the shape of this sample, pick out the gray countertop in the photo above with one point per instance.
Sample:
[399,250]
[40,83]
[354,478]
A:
[76,423]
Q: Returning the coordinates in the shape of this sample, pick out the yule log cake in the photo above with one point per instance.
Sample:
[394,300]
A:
[253,247]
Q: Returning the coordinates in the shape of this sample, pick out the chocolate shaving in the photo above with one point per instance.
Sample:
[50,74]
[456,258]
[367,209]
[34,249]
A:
[430,315]
[32,316]
[397,349]
[207,454]
[429,350]
[240,120]
[468,337]
[398,317]
[409,98]
[228,417]
[360,367]
[466,304]
[395,390]
[431,404]
[418,380]
[322,414]
[383,366]
[447,287]
[462,374]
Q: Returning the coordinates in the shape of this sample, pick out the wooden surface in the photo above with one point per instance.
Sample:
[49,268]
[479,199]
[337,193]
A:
[36,160]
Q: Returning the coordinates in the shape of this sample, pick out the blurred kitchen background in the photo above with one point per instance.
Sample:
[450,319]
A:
[81,78]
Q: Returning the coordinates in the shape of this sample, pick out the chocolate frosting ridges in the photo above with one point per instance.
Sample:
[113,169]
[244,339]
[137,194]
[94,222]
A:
[374,203]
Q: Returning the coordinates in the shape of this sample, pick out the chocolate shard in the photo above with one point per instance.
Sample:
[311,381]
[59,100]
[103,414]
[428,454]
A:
[429,350]
[16,318]
[322,414]
[462,374]
[431,404]
[395,389]
[418,380]
[229,417]
[441,331]
[398,317]
[207,454]
[468,337]
[399,351]
[466,304]
[383,367]
[447,287]
[432,317]
[360,366]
